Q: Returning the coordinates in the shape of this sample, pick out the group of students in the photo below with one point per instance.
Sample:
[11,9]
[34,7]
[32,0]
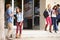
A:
[52,17]
[9,18]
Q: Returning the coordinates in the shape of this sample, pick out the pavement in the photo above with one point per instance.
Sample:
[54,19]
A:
[37,35]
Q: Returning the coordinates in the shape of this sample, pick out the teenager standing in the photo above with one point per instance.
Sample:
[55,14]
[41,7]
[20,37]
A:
[19,22]
[54,16]
[9,17]
[47,15]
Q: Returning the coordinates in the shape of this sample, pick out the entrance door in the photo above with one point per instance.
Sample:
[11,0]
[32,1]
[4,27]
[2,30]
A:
[28,14]
[31,14]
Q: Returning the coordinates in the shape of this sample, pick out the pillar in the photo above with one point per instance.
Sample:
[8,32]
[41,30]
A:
[42,8]
[2,20]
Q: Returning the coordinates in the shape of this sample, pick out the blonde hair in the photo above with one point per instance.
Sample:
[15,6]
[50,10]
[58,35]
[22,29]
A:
[48,6]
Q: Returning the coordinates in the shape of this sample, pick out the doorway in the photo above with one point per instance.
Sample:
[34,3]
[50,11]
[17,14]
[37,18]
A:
[31,14]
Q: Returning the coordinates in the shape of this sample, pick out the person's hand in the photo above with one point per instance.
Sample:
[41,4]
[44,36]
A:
[21,23]
[13,17]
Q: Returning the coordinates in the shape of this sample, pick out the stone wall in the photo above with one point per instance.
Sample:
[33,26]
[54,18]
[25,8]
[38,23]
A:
[1,19]
[42,8]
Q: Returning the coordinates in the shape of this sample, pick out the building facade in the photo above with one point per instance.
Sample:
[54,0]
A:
[42,5]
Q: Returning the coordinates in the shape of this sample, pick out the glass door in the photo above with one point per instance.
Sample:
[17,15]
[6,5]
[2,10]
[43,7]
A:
[31,14]
[28,14]
[36,17]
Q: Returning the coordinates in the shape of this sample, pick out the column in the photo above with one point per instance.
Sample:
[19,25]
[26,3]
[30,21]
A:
[42,8]
[2,36]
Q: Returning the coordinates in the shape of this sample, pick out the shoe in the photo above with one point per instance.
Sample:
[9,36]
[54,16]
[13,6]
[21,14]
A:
[55,31]
[50,31]
[11,36]
[20,35]
[45,30]
[17,36]
[8,38]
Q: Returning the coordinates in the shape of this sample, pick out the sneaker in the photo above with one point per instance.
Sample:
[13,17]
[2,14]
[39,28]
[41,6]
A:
[17,36]
[11,36]
[20,35]
[50,31]
[55,31]
[8,38]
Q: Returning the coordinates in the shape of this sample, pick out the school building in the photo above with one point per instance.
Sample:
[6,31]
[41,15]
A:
[32,14]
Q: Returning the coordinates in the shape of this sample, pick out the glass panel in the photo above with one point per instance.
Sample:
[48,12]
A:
[36,7]
[28,14]
[36,21]
[36,12]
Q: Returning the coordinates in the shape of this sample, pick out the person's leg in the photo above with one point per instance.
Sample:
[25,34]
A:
[57,21]
[46,24]
[55,24]
[20,29]
[50,22]
[9,29]
[17,29]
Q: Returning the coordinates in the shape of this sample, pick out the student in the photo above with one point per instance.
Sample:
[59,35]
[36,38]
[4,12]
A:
[47,15]
[58,16]
[9,17]
[54,15]
[19,22]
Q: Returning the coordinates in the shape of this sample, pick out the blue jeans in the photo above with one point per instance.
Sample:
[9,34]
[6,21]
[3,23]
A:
[54,22]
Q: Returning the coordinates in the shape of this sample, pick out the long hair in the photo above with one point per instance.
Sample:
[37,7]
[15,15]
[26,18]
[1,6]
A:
[18,8]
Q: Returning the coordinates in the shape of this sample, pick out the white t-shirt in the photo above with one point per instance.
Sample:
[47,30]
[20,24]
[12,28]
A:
[53,13]
[49,12]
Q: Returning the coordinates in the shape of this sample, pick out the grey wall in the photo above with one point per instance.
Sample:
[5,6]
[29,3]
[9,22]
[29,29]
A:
[42,8]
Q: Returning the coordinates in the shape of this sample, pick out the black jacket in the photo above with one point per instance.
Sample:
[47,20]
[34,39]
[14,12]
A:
[45,14]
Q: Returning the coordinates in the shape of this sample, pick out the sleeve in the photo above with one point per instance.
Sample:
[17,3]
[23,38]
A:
[9,11]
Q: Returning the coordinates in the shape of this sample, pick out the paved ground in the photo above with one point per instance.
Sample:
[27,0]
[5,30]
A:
[37,35]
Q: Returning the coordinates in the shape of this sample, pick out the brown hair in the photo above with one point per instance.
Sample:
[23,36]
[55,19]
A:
[19,9]
[55,8]
[8,5]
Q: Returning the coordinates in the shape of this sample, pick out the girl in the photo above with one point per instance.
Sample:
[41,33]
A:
[54,20]
[19,22]
[47,15]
